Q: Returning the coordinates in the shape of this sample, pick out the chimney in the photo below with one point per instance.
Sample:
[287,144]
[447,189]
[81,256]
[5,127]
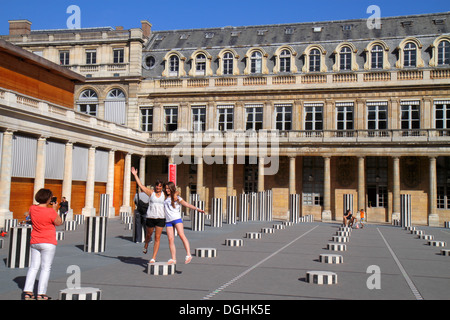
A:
[119,28]
[146,28]
[19,27]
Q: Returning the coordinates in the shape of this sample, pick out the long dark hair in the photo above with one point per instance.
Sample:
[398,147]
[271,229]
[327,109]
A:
[173,190]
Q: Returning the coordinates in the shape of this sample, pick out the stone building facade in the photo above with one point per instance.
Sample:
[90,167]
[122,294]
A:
[323,109]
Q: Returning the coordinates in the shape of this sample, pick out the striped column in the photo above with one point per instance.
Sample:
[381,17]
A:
[294,208]
[104,205]
[269,204]
[161,269]
[217,209]
[262,209]
[70,225]
[80,294]
[252,206]
[79,218]
[405,210]
[95,234]
[197,217]
[348,203]
[243,207]
[231,210]
[19,247]
[9,223]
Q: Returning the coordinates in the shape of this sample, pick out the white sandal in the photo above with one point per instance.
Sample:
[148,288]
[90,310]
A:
[152,261]
[171,261]
[188,259]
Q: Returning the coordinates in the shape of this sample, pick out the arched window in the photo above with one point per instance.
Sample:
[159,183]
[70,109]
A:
[200,64]
[115,107]
[377,57]
[116,94]
[314,60]
[174,66]
[228,63]
[88,102]
[410,55]
[285,61]
[345,56]
[444,53]
[256,62]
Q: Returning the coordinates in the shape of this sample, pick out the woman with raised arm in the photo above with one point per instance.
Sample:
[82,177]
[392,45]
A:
[155,214]
[172,208]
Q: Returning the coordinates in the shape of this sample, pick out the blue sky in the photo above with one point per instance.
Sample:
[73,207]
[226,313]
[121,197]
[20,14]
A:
[178,14]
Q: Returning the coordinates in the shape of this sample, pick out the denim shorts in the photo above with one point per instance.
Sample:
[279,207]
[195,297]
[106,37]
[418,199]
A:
[173,223]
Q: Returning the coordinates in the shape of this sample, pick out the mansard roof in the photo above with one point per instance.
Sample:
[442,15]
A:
[310,32]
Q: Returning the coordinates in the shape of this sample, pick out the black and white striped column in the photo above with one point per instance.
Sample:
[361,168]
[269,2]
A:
[348,203]
[294,208]
[79,218]
[95,234]
[161,269]
[80,294]
[9,223]
[197,217]
[70,225]
[231,210]
[269,205]
[252,206]
[104,205]
[405,210]
[206,252]
[243,207]
[262,208]
[19,247]
[217,210]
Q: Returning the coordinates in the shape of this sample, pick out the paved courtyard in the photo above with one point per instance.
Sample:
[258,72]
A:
[271,268]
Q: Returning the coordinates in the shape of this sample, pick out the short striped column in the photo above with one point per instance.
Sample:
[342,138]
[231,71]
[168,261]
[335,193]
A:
[253,235]
[345,229]
[104,205]
[127,219]
[348,203]
[79,218]
[435,243]
[234,242]
[161,269]
[59,235]
[243,207]
[80,294]
[321,277]
[231,210]
[198,220]
[405,210]
[340,239]
[123,215]
[294,208]
[331,258]
[426,237]
[337,246]
[1,243]
[279,226]
[19,247]
[9,223]
[445,252]
[252,206]
[95,234]
[70,225]
[417,232]
[267,230]
[206,252]
[217,213]
[343,233]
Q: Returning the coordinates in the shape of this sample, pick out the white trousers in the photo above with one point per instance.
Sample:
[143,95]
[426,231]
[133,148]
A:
[42,255]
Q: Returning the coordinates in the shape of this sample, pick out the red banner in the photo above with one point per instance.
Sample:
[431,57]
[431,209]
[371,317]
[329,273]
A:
[173,173]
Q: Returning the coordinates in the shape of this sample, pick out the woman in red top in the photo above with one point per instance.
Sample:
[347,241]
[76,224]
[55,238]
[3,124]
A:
[43,243]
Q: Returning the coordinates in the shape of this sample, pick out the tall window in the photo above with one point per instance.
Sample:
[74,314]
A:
[198,118]
[377,57]
[228,63]
[174,66]
[377,181]
[443,182]
[171,119]
[314,119]
[256,62]
[285,61]
[226,118]
[147,119]
[283,121]
[91,56]
[88,102]
[200,64]
[345,57]
[410,55]
[314,60]
[313,173]
[442,117]
[410,118]
[344,118]
[377,118]
[444,53]
[119,55]
[254,117]
[64,58]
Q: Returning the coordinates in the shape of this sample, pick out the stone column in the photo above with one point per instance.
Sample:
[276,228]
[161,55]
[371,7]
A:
[292,180]
[110,183]
[89,210]
[67,178]
[230,176]
[126,185]
[361,184]
[396,188]
[433,217]
[326,213]
[39,180]
[142,170]
[260,174]
[200,178]
[5,177]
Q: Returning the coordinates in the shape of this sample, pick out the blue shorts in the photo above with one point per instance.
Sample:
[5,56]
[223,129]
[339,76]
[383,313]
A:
[173,223]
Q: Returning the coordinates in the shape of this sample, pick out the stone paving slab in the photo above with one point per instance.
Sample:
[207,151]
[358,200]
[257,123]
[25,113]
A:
[271,268]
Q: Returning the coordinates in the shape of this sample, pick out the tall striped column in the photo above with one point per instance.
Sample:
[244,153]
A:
[405,210]
[348,203]
[217,212]
[104,205]
[243,207]
[95,234]
[262,210]
[19,247]
[197,217]
[294,208]
[231,210]
[252,206]
[269,204]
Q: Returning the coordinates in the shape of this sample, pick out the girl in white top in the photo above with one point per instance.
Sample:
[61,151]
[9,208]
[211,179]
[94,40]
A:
[172,208]
[155,213]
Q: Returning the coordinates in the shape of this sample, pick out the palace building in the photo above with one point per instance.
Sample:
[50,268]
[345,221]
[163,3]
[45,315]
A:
[324,110]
